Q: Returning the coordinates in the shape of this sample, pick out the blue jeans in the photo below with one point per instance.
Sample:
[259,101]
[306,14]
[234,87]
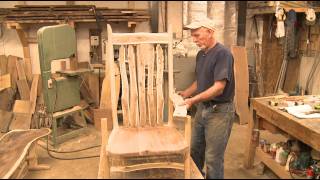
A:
[210,135]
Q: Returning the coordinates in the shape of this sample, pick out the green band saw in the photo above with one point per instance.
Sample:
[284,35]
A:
[55,43]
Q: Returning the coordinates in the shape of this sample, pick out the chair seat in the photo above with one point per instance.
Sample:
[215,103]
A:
[146,141]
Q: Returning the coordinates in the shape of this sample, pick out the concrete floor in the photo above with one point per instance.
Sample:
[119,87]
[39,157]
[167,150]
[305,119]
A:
[88,168]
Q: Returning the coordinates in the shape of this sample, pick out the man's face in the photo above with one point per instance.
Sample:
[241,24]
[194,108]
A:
[203,37]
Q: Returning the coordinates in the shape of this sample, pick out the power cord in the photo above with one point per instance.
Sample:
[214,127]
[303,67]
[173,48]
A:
[59,158]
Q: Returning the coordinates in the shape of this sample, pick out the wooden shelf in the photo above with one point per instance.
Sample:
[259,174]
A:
[26,14]
[272,164]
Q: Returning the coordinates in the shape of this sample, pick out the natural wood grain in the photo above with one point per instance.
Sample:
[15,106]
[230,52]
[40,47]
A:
[138,167]
[20,69]
[5,82]
[134,111]
[141,85]
[306,130]
[159,82]
[5,120]
[112,79]
[21,121]
[146,141]
[34,92]
[140,38]
[273,165]
[3,64]
[22,106]
[26,53]
[24,89]
[103,163]
[14,147]
[151,98]
[241,74]
[12,70]
[125,88]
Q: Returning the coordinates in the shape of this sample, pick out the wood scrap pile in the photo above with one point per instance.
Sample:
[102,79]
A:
[76,13]
[18,99]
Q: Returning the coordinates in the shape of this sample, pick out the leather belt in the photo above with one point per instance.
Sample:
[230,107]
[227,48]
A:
[212,103]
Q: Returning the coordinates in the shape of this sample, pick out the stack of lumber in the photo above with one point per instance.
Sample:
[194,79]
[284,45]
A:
[18,99]
[76,13]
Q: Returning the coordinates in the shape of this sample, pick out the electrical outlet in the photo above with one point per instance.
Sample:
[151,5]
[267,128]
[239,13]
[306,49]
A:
[94,40]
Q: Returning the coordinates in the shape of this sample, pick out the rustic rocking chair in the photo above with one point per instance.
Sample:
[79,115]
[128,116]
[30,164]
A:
[143,134]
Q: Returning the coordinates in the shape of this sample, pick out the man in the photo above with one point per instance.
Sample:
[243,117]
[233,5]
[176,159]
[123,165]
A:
[213,92]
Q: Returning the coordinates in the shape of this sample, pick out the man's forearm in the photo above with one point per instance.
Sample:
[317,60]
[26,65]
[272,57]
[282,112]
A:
[213,91]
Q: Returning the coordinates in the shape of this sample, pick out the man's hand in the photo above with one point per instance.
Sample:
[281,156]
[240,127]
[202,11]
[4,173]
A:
[188,102]
[182,93]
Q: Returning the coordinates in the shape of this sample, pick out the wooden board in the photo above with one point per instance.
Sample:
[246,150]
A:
[105,100]
[3,64]
[5,120]
[141,85]
[125,88]
[21,121]
[34,92]
[20,69]
[273,165]
[22,106]
[141,38]
[93,82]
[306,130]
[315,82]
[24,89]
[5,81]
[23,36]
[14,147]
[305,68]
[159,83]
[152,111]
[134,107]
[7,99]
[146,141]
[12,70]
[241,75]
[271,58]
[22,115]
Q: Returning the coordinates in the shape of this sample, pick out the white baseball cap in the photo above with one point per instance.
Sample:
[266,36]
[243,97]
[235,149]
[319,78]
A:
[205,22]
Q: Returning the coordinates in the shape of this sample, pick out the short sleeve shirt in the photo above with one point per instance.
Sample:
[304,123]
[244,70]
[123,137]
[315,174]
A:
[217,64]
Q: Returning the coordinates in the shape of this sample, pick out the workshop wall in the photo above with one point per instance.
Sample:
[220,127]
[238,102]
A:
[10,43]
[175,13]
[271,57]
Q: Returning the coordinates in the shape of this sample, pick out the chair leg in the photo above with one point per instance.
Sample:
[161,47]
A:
[107,172]
[187,169]
[104,168]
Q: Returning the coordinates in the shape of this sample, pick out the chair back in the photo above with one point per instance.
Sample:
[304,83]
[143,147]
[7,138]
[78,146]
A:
[146,70]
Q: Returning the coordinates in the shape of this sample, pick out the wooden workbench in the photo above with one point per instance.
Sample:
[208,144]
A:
[271,118]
